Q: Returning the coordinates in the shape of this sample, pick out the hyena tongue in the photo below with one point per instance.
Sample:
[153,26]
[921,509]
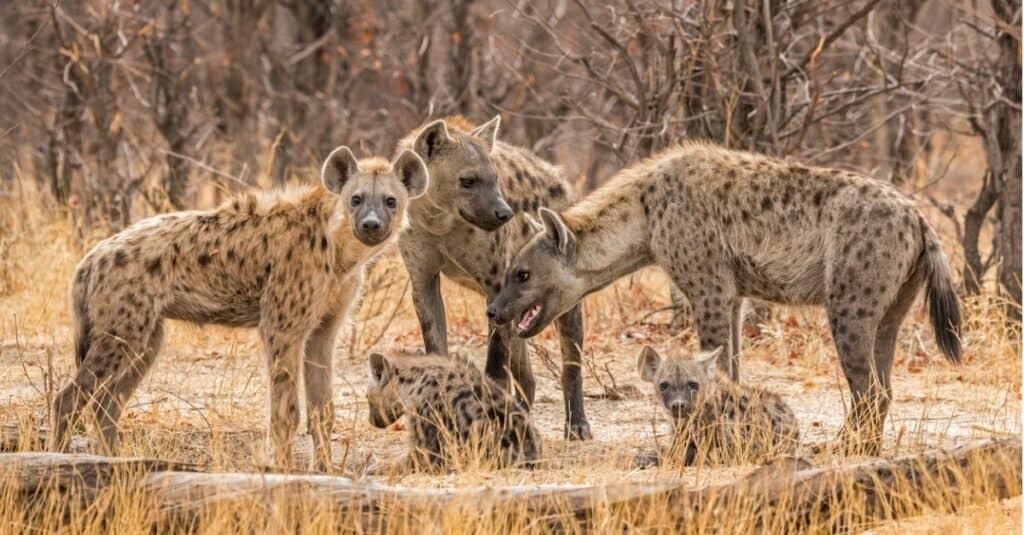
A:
[528,317]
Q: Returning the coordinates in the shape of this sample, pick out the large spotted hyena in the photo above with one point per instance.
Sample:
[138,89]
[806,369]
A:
[454,413]
[289,264]
[468,226]
[728,225]
[715,418]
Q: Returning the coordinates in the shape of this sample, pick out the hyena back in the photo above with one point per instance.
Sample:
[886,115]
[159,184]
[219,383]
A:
[455,414]
[468,226]
[288,264]
[727,225]
[715,418]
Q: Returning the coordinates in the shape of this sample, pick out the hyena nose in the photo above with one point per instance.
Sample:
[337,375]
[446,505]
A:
[491,312]
[370,223]
[503,214]
[676,405]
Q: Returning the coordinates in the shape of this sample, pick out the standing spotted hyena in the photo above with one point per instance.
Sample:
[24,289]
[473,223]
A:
[289,264]
[455,414]
[715,418]
[727,225]
[468,226]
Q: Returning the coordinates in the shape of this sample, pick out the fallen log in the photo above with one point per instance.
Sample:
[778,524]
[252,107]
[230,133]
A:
[786,496]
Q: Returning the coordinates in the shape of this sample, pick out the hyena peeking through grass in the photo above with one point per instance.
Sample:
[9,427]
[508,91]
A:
[289,264]
[468,226]
[727,225]
[456,416]
[716,419]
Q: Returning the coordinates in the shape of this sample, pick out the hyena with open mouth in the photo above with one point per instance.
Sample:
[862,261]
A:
[727,225]
[468,226]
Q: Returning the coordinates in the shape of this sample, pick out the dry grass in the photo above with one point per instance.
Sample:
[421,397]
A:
[205,400]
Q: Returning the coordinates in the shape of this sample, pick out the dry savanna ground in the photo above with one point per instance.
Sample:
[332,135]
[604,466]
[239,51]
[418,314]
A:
[205,400]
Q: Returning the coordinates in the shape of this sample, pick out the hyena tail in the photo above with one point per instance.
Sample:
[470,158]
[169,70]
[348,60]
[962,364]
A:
[83,325]
[943,304]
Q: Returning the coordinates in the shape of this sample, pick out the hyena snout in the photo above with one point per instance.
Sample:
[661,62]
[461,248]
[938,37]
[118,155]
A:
[371,228]
[488,209]
[502,212]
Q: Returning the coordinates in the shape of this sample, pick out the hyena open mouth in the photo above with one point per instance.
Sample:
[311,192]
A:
[528,319]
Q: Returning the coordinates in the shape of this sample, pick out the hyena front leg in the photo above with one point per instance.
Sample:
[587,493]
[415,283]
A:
[736,329]
[714,303]
[423,263]
[507,354]
[570,332]
[318,368]
[283,356]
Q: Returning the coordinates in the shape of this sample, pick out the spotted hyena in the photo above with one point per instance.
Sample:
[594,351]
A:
[728,225]
[714,417]
[468,226]
[455,414]
[286,263]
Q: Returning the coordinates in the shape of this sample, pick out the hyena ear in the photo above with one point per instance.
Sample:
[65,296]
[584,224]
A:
[488,132]
[412,172]
[338,168]
[647,362]
[532,221]
[431,139]
[709,361]
[558,232]
[380,369]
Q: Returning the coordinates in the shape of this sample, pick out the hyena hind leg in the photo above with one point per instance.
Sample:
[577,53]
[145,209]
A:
[113,394]
[869,404]
[97,379]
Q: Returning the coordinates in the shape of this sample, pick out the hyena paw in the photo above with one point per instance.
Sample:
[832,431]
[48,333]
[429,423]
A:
[578,431]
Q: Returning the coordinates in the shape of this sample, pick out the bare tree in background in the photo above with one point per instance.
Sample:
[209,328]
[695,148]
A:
[108,102]
[167,45]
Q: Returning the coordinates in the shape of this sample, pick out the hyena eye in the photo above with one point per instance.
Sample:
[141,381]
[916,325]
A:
[522,275]
[357,200]
[663,386]
[467,182]
[693,385]
[391,202]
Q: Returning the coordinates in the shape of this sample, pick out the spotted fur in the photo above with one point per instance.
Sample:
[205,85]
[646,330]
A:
[728,225]
[288,263]
[455,414]
[715,418]
[443,240]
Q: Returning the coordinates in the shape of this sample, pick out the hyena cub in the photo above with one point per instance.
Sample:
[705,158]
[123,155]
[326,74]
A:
[717,419]
[455,414]
[287,263]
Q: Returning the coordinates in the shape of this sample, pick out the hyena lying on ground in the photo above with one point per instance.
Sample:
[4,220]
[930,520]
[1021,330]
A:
[468,226]
[289,264]
[455,414]
[727,225]
[715,418]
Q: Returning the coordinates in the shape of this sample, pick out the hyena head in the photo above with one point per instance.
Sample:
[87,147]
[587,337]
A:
[681,384]
[542,283]
[386,405]
[373,192]
[465,181]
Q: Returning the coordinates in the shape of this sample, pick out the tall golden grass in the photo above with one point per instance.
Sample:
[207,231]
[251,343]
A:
[204,402]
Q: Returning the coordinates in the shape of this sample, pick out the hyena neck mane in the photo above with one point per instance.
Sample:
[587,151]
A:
[612,229]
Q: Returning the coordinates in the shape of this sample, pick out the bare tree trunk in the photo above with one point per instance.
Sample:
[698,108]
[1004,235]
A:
[1008,125]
